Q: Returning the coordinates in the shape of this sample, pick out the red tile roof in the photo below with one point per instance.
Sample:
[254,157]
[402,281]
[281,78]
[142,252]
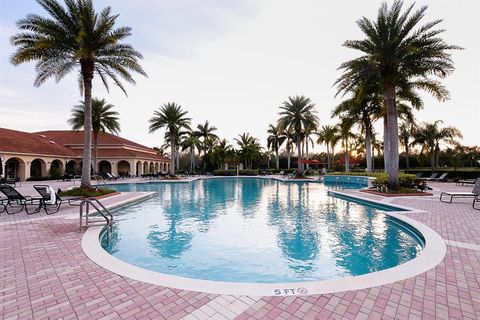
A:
[70,144]
[31,143]
[70,138]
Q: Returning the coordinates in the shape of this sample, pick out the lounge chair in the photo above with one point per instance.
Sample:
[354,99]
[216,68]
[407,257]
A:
[16,200]
[441,178]
[3,201]
[432,177]
[46,192]
[475,200]
[418,174]
[450,195]
[465,181]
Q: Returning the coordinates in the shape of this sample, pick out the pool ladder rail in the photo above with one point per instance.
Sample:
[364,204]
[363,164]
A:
[99,208]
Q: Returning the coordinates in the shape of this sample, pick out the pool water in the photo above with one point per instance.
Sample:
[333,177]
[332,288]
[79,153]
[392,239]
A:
[257,230]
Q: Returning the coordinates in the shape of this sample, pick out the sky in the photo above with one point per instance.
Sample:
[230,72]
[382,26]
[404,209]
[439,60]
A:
[234,63]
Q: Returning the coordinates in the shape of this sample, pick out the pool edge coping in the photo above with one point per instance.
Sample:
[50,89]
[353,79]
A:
[432,254]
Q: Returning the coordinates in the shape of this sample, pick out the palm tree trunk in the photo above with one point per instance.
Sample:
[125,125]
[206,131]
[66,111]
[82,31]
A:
[386,145]
[288,157]
[328,156]
[299,153]
[432,158]
[87,72]
[95,152]
[172,152]
[392,122]
[306,152]
[407,157]
[347,157]
[332,162]
[277,159]
[373,158]
[368,149]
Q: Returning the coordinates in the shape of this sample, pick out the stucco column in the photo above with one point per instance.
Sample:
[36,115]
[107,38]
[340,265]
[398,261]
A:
[113,165]
[24,171]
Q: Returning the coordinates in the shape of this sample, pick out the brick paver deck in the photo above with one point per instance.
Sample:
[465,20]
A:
[44,274]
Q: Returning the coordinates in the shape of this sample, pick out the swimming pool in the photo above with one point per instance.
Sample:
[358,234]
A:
[257,230]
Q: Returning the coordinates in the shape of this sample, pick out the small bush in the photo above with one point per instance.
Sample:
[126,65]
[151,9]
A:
[234,172]
[87,193]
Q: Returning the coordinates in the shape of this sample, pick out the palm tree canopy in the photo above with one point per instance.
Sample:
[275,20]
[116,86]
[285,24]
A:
[103,117]
[171,116]
[328,134]
[399,52]
[205,131]
[276,137]
[76,37]
[298,113]
[431,134]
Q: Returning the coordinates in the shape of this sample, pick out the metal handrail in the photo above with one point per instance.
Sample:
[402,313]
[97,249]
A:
[100,208]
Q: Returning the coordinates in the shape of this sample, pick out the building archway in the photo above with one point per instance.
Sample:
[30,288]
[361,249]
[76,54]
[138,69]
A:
[15,168]
[165,167]
[38,168]
[151,168]
[123,167]
[104,167]
[56,168]
[71,167]
[157,167]
[139,171]
[145,167]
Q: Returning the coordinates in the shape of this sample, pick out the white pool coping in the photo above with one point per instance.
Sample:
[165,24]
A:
[431,255]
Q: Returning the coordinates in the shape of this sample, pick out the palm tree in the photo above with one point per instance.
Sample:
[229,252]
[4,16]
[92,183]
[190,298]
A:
[407,132]
[430,135]
[173,118]
[103,119]
[328,135]
[275,141]
[398,52]
[205,132]
[345,134]
[191,142]
[250,149]
[77,38]
[298,113]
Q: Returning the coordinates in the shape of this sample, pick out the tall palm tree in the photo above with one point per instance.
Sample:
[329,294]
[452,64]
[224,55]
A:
[76,37]
[406,133]
[398,52]
[191,142]
[170,116]
[430,135]
[345,134]
[275,140]
[205,132]
[103,119]
[298,113]
[250,149]
[328,135]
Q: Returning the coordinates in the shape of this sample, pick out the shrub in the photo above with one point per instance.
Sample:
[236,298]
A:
[87,193]
[234,172]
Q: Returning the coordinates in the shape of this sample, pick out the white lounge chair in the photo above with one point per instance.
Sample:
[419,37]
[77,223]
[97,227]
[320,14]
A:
[450,195]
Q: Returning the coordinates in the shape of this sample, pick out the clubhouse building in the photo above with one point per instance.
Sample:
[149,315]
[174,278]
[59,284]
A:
[24,155]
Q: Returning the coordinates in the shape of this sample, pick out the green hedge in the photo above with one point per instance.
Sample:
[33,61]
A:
[87,193]
[234,172]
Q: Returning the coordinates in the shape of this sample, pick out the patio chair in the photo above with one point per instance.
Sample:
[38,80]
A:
[418,174]
[433,176]
[16,200]
[51,200]
[465,181]
[3,201]
[450,195]
[475,200]
[441,178]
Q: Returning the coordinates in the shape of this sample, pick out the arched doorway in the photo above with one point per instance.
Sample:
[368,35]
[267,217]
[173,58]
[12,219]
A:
[72,167]
[56,168]
[165,167]
[15,169]
[38,168]
[139,171]
[157,167]
[145,167]
[151,168]
[104,167]
[123,168]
